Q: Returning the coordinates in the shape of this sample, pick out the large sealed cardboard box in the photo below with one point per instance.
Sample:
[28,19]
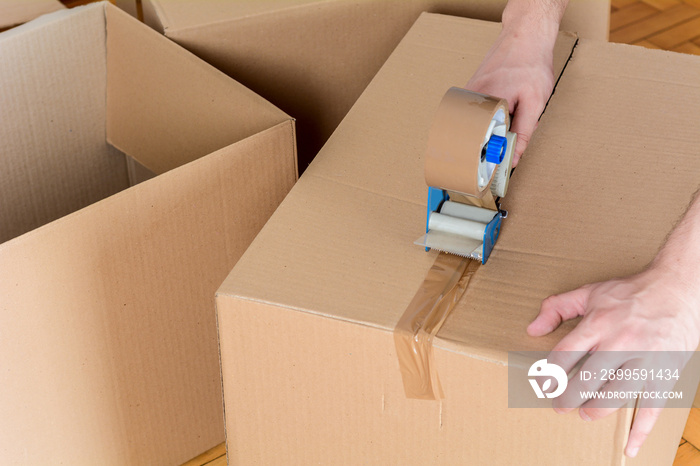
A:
[14,12]
[107,323]
[313,59]
[306,318]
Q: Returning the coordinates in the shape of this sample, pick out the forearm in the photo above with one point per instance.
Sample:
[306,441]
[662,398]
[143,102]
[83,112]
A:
[518,67]
[534,18]
[679,258]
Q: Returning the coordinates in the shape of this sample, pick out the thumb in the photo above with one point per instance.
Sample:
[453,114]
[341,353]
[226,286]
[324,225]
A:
[641,427]
[558,308]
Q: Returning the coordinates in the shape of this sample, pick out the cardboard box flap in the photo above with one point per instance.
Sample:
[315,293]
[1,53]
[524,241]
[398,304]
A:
[59,162]
[352,257]
[14,12]
[64,161]
[616,129]
[148,115]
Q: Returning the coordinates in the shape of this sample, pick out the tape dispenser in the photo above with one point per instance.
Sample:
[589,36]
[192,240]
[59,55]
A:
[467,167]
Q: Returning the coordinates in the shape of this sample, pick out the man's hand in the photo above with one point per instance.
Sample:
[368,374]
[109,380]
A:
[518,67]
[657,310]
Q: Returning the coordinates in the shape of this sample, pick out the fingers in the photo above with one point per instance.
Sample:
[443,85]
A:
[558,308]
[590,413]
[527,113]
[587,380]
[598,408]
[644,421]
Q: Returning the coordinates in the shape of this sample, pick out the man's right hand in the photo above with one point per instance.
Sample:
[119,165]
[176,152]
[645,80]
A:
[518,67]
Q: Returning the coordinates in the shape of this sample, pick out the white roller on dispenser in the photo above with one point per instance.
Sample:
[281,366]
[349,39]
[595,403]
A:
[469,159]
[457,226]
[456,209]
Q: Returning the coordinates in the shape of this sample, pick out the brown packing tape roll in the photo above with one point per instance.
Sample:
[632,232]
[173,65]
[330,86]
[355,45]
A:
[441,290]
[455,140]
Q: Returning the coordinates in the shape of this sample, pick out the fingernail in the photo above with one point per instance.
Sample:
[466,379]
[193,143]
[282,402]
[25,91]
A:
[584,416]
[560,410]
[632,451]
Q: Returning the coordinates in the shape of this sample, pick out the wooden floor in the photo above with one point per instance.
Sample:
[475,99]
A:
[658,24]
[214,457]
[689,449]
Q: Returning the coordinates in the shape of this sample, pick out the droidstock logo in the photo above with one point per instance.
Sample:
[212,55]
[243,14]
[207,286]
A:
[542,368]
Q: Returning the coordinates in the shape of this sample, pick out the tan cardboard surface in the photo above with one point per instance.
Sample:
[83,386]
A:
[339,389]
[313,59]
[376,167]
[630,204]
[60,162]
[586,17]
[593,198]
[140,108]
[13,12]
[108,333]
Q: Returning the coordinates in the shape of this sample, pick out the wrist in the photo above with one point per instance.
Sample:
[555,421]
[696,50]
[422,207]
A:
[676,272]
[677,280]
[534,21]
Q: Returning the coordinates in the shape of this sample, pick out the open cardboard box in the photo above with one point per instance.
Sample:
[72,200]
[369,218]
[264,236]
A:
[14,12]
[107,324]
[314,58]
[314,301]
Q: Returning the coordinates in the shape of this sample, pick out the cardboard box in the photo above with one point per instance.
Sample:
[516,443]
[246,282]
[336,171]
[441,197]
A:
[313,59]
[107,323]
[314,301]
[14,12]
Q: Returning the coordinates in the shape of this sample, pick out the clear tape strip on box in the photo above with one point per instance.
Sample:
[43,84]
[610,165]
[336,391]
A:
[440,292]
[455,162]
